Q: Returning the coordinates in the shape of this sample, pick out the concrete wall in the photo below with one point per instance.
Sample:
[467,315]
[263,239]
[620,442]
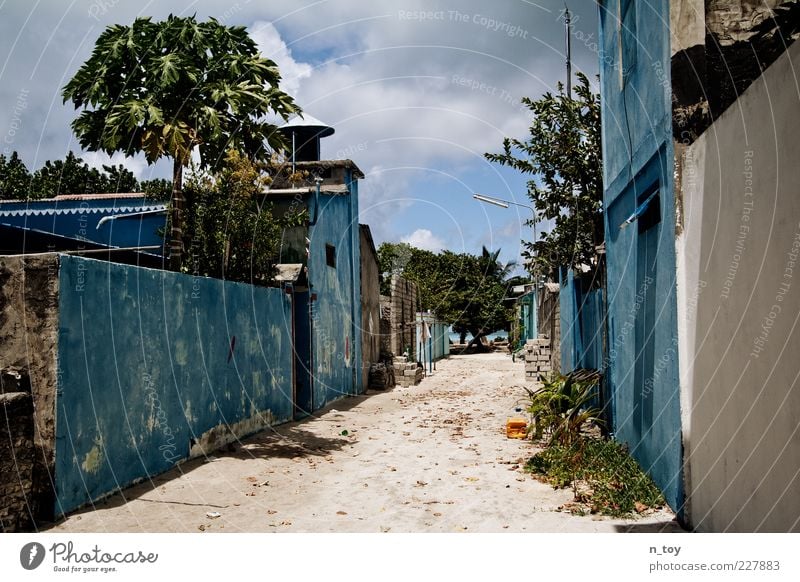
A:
[156,367]
[29,290]
[719,48]
[370,305]
[739,300]
[642,373]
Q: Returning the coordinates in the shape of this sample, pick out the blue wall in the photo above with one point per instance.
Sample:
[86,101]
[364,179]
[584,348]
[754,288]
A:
[528,307]
[151,360]
[642,316]
[336,315]
[439,345]
[582,324]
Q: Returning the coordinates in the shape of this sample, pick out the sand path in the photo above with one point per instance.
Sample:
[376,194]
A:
[430,458]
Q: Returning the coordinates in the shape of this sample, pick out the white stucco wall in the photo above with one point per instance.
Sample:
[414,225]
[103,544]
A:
[738,261]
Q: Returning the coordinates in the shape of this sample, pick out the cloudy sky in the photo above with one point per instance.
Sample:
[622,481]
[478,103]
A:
[417,92]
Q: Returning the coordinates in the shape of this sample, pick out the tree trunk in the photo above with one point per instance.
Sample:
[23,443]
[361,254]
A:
[476,341]
[176,232]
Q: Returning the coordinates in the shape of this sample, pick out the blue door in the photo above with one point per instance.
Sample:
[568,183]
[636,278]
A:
[646,271]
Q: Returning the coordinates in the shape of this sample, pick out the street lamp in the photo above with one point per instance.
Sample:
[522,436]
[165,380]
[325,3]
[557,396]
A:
[490,200]
[505,204]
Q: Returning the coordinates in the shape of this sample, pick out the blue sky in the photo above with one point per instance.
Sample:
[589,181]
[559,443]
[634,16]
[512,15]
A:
[417,92]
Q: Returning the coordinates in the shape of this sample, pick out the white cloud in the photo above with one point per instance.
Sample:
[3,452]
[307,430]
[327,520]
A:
[424,239]
[408,96]
[97,160]
[272,46]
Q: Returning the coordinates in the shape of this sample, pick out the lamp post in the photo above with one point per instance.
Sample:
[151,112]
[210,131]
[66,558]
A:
[505,204]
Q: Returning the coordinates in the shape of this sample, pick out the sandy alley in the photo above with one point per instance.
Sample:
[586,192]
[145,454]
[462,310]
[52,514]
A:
[430,458]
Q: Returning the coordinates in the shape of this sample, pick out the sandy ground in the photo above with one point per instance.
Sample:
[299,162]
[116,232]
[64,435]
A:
[430,458]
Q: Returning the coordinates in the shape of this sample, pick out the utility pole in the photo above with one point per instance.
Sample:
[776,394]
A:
[568,23]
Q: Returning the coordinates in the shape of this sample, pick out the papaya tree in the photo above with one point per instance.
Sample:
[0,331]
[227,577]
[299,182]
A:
[167,88]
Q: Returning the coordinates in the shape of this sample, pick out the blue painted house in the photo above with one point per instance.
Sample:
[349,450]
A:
[140,369]
[327,293]
[638,170]
[700,137]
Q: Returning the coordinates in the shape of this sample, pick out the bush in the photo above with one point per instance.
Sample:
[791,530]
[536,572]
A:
[563,406]
[230,232]
[604,477]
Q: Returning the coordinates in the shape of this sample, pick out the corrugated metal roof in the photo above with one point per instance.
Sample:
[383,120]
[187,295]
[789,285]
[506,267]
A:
[77,197]
[65,211]
[105,196]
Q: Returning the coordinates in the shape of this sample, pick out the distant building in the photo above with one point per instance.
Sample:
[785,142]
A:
[327,302]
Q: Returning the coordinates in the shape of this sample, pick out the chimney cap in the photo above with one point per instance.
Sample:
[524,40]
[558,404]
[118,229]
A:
[309,123]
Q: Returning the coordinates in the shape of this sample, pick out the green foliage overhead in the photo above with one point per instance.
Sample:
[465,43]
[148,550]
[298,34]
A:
[462,289]
[231,232]
[68,176]
[163,88]
[166,88]
[15,179]
[562,153]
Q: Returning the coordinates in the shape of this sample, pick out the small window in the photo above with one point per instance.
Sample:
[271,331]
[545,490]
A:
[330,255]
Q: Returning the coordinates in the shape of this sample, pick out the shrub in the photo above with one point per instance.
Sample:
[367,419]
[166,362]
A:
[604,477]
[563,405]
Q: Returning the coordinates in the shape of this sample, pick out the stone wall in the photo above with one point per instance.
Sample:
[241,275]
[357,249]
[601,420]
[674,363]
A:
[16,451]
[386,324]
[29,298]
[549,320]
[403,317]
[537,355]
[407,373]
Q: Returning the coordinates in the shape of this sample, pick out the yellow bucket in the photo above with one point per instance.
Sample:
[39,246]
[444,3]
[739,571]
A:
[516,428]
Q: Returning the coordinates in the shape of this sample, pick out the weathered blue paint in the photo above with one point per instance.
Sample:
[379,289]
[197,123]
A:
[437,346]
[151,362]
[79,218]
[642,312]
[582,324]
[336,311]
[528,326]
[570,339]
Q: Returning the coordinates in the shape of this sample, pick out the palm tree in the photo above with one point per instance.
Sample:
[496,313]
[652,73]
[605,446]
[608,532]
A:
[165,88]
